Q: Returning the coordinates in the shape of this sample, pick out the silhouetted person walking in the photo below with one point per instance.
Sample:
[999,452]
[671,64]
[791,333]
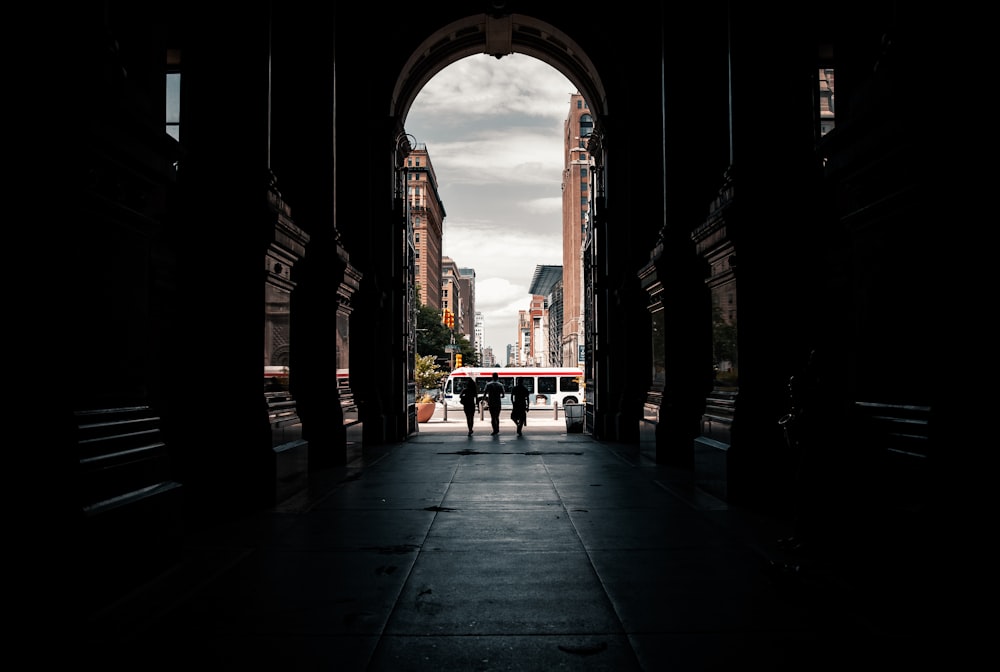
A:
[519,405]
[493,394]
[470,400]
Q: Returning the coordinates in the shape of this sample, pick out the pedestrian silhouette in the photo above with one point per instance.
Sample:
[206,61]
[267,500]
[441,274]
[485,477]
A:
[470,399]
[493,394]
[828,516]
[519,403]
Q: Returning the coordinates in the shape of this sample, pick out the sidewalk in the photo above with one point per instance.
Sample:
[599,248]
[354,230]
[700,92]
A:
[545,551]
[454,420]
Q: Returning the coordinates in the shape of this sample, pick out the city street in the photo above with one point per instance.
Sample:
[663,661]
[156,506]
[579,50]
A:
[545,420]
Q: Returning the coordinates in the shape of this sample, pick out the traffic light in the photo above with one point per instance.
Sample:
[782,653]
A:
[449,318]
[458,360]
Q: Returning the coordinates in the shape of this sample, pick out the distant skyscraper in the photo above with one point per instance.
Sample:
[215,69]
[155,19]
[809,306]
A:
[488,359]
[546,313]
[427,217]
[467,314]
[576,187]
[512,353]
[480,338]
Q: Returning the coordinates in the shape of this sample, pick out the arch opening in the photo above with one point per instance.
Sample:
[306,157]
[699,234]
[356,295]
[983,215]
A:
[501,37]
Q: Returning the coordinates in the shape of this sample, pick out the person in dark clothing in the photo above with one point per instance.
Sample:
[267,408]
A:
[470,400]
[494,392]
[519,403]
[827,495]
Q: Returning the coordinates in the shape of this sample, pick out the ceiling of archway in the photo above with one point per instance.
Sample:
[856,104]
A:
[498,37]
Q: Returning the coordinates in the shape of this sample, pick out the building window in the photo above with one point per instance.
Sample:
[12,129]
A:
[579,103]
[583,171]
[583,186]
[826,107]
[586,125]
[174,105]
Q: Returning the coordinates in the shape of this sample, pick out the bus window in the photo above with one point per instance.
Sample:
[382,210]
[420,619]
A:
[528,382]
[569,384]
[547,384]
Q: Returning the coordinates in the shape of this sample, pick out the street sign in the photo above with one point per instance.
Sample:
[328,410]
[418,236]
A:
[452,348]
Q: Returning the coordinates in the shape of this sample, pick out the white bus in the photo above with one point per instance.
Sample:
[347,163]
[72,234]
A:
[546,385]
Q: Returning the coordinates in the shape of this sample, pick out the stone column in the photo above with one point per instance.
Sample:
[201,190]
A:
[349,431]
[714,244]
[286,246]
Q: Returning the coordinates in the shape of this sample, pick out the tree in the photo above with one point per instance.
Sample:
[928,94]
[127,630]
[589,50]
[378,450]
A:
[469,355]
[433,336]
[427,374]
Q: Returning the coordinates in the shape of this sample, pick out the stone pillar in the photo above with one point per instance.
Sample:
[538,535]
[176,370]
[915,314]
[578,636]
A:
[286,246]
[716,247]
[349,431]
[650,420]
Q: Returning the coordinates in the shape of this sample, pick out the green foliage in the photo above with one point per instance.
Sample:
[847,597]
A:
[427,374]
[433,336]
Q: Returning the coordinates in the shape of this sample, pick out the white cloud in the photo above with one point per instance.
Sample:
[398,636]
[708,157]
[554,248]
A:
[481,86]
[493,131]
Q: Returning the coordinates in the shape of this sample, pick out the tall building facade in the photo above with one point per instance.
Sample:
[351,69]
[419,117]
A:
[451,290]
[576,193]
[546,284]
[539,352]
[480,330]
[467,314]
[511,353]
[488,358]
[522,352]
[427,217]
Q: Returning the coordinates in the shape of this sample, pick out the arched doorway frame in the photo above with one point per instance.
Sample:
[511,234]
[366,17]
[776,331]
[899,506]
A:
[500,36]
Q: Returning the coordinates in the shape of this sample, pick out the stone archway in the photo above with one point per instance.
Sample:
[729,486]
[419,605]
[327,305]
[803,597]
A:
[499,36]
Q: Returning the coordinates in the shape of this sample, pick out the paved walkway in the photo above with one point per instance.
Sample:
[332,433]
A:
[548,551]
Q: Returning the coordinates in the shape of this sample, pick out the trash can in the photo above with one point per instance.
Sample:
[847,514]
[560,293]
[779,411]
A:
[574,417]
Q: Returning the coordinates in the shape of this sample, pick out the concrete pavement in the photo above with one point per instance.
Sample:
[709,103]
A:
[547,551]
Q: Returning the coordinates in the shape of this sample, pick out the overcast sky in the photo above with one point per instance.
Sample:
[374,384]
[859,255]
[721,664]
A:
[493,131]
